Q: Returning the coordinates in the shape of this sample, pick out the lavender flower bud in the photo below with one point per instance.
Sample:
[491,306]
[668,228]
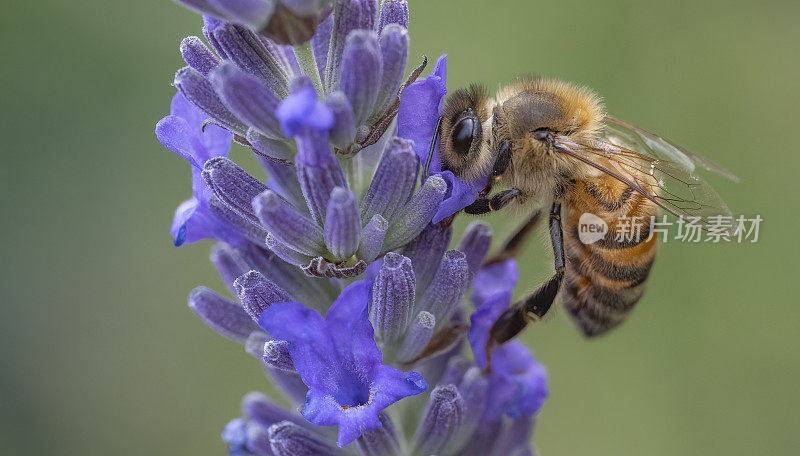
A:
[233,186]
[258,407]
[442,421]
[455,369]
[276,354]
[362,66]
[198,90]
[254,345]
[257,436]
[393,12]
[248,98]
[393,182]
[289,227]
[343,131]
[474,389]
[223,316]
[417,338]
[246,50]
[257,293]
[417,213]
[394,54]
[451,280]
[392,298]
[286,253]
[371,242]
[320,43]
[198,56]
[426,251]
[236,221]
[342,224]
[318,172]
[475,244]
[252,12]
[228,264]
[289,439]
[235,435]
[380,442]
[348,15]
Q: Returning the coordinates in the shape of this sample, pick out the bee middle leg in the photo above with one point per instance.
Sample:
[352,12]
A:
[536,305]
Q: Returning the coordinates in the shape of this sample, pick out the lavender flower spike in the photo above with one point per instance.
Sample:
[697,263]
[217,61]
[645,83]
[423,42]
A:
[340,137]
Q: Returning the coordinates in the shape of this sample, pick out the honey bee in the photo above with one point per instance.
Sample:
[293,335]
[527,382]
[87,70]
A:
[551,144]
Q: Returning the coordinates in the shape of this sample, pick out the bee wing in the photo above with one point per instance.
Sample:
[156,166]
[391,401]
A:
[655,168]
[662,148]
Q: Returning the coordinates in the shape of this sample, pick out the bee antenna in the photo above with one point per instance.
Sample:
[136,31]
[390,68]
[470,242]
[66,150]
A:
[436,132]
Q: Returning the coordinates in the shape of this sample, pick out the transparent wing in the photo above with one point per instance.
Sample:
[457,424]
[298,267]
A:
[662,148]
[654,168]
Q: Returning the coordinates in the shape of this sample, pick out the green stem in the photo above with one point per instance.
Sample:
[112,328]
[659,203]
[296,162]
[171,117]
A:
[308,64]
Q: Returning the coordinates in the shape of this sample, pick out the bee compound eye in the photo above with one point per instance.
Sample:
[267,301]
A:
[463,135]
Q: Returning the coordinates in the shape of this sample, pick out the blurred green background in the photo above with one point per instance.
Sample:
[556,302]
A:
[100,354]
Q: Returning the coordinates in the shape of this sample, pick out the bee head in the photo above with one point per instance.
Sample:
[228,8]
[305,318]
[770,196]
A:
[463,139]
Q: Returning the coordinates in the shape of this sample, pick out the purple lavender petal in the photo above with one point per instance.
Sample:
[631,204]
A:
[348,15]
[197,89]
[494,279]
[393,12]
[518,383]
[420,108]
[223,316]
[342,224]
[247,98]
[182,132]
[451,280]
[394,55]
[233,186]
[194,222]
[197,55]
[302,110]
[289,227]
[256,293]
[370,244]
[459,195]
[246,50]
[442,420]
[417,213]
[393,182]
[352,393]
[426,251]
[362,66]
[392,298]
[482,320]
[343,131]
[475,244]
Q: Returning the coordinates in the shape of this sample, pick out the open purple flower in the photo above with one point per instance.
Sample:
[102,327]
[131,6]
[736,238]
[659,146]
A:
[339,361]
[185,133]
[518,383]
[420,108]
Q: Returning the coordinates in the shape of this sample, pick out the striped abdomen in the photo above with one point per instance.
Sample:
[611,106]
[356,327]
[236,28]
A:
[604,278]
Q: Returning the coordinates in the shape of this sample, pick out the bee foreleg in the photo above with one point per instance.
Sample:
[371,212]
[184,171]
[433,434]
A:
[495,203]
[516,317]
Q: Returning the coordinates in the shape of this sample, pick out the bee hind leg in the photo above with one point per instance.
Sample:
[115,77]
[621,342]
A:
[536,305]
